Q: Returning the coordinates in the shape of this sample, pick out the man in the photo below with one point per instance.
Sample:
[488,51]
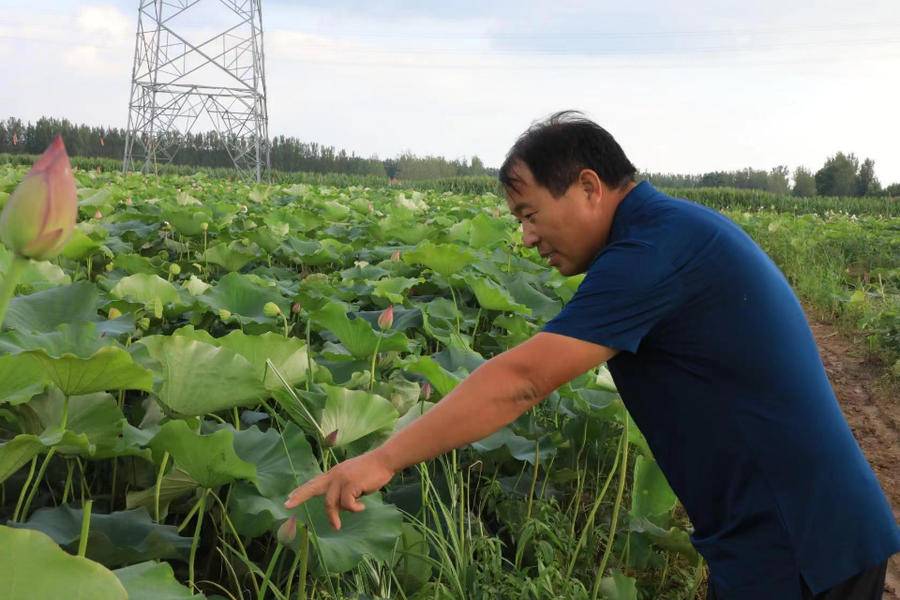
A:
[713,357]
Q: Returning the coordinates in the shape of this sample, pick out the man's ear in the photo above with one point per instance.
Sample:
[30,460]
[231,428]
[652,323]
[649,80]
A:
[590,183]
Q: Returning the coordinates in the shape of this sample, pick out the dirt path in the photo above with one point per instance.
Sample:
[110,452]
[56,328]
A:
[873,412]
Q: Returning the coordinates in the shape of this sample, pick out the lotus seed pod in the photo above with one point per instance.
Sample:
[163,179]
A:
[224,314]
[204,226]
[271,309]
[144,323]
[39,216]
[174,269]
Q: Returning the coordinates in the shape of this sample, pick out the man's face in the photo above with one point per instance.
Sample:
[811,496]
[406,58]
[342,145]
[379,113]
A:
[567,231]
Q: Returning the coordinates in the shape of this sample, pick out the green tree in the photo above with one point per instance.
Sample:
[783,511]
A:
[866,182]
[777,180]
[838,177]
[804,183]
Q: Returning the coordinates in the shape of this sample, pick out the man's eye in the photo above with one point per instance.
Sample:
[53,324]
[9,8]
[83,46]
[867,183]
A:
[530,217]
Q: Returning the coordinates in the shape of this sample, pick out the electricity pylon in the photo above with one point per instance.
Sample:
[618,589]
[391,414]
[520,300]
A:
[185,80]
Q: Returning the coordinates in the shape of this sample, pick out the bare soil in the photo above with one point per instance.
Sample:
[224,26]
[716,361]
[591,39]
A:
[871,405]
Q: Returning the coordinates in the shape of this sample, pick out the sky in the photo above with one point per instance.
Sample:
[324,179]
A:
[685,87]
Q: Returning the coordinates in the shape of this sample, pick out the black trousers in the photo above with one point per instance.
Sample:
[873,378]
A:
[868,585]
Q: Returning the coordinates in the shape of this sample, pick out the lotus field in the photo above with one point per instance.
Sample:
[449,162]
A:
[199,347]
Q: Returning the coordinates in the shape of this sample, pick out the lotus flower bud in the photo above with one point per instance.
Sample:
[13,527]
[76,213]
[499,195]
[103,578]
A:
[395,256]
[296,308]
[40,215]
[271,309]
[174,268]
[108,267]
[288,531]
[204,226]
[129,202]
[330,439]
[386,318]
[426,390]
[224,314]
[98,215]
[114,313]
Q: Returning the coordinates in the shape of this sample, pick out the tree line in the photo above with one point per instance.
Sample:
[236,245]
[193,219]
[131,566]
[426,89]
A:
[203,149]
[841,175]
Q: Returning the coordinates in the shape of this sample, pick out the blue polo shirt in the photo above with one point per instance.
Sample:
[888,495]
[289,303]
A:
[719,369]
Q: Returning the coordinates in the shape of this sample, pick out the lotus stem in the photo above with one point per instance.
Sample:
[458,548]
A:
[623,467]
[196,540]
[374,357]
[85,527]
[9,283]
[37,482]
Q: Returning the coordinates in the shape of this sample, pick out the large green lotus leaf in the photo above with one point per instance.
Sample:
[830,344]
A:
[650,493]
[520,448]
[210,460]
[487,231]
[134,263]
[355,414]
[38,275]
[493,297]
[79,245]
[251,514]
[356,334]
[116,539]
[519,328]
[199,378]
[618,587]
[445,259]
[21,377]
[15,453]
[525,293]
[46,310]
[243,297]
[282,460]
[33,567]
[79,339]
[233,256]
[175,484]
[393,289]
[287,354]
[95,416]
[186,221]
[109,368]
[416,411]
[153,580]
[443,380]
[316,252]
[372,532]
[458,357]
[146,289]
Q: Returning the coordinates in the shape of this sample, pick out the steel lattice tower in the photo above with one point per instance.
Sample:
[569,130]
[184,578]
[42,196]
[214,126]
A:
[179,86]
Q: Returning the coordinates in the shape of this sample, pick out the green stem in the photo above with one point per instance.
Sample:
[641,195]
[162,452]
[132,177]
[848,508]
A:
[37,482]
[309,367]
[269,569]
[9,283]
[85,527]
[374,356]
[196,540]
[24,489]
[159,478]
[65,413]
[623,468]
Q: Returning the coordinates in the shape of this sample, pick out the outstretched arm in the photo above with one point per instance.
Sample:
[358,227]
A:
[494,395]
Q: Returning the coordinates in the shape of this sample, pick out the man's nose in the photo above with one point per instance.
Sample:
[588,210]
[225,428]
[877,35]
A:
[529,238]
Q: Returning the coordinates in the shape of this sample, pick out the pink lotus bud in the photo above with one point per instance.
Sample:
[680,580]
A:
[395,256]
[426,390]
[129,202]
[371,207]
[386,318]
[330,439]
[288,531]
[98,215]
[295,307]
[40,214]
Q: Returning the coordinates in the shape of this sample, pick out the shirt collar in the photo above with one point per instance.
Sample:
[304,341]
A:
[627,207]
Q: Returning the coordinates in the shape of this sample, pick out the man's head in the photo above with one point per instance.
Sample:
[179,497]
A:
[564,178]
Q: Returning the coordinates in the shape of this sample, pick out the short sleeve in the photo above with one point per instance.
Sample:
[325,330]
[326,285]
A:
[628,289]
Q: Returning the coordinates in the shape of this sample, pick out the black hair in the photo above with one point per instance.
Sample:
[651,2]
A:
[559,147]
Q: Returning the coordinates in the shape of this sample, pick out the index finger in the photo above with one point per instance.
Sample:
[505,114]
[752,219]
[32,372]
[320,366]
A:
[308,490]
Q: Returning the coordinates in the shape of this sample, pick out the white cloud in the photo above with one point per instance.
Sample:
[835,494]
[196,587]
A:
[106,22]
